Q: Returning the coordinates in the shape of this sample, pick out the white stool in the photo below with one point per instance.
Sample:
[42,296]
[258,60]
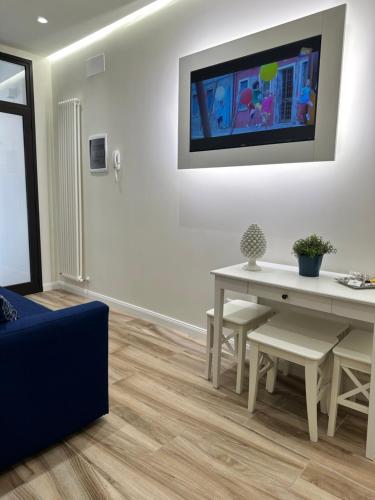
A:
[240,316]
[298,338]
[352,353]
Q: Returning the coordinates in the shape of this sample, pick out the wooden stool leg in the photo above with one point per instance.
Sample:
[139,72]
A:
[272,375]
[311,380]
[241,355]
[326,368]
[236,340]
[336,384]
[209,345]
[253,376]
[285,368]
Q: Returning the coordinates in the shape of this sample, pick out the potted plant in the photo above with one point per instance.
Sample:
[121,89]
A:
[309,252]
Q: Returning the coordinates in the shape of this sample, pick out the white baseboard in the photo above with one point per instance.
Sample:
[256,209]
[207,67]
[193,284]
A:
[131,309]
[53,285]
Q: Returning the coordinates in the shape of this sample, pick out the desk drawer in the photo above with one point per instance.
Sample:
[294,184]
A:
[353,310]
[291,297]
[234,285]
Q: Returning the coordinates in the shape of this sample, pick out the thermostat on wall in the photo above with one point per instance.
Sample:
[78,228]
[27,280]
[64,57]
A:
[98,153]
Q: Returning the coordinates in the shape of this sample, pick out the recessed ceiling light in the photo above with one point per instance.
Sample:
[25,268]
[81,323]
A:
[42,20]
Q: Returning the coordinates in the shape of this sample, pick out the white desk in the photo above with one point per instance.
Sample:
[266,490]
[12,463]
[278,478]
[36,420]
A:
[283,284]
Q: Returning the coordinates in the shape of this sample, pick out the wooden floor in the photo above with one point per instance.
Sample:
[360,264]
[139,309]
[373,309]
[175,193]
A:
[171,435]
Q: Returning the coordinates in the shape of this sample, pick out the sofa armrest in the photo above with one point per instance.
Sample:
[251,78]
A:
[53,377]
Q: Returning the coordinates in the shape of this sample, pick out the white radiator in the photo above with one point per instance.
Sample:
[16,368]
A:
[70,190]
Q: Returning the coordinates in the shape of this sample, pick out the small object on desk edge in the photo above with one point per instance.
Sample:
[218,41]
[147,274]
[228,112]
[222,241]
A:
[353,282]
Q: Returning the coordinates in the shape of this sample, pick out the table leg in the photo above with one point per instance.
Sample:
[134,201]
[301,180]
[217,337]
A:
[370,443]
[218,331]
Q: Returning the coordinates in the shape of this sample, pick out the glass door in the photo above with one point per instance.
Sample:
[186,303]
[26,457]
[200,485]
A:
[20,264]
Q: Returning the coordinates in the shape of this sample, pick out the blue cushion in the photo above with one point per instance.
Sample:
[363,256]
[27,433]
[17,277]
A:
[24,307]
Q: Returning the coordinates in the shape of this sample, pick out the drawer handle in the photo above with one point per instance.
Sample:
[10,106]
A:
[284,296]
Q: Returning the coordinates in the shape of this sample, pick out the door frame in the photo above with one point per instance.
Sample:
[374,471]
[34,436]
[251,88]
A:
[31,175]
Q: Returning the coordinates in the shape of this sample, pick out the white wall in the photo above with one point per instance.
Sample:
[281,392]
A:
[152,240]
[43,125]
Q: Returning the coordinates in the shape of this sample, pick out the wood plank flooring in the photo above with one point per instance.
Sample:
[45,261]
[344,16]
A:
[170,435]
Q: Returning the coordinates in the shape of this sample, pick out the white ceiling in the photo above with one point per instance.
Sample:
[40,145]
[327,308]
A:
[69,21]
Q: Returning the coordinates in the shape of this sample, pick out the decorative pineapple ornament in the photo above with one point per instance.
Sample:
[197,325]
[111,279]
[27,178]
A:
[253,246]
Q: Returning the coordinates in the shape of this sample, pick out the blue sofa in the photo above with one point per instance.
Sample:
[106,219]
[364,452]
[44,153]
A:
[53,374]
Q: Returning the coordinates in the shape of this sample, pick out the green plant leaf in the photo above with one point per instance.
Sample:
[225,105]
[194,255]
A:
[313,246]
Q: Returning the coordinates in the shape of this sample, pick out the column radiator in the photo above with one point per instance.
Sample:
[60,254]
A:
[70,190]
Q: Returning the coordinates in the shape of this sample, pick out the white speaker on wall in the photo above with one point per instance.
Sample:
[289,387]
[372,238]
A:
[95,65]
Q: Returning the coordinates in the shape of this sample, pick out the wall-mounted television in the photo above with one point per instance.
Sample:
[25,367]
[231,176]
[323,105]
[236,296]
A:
[271,97]
[265,98]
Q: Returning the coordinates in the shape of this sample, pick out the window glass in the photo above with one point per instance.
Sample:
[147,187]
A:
[14,234]
[12,83]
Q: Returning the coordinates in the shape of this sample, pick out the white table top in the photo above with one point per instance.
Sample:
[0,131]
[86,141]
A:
[282,276]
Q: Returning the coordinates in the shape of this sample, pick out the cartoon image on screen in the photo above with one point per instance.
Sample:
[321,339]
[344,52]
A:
[257,104]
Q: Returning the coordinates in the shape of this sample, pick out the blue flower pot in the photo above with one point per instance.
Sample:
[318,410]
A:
[309,266]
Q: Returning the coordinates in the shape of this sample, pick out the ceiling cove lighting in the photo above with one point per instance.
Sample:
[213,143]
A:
[42,20]
[132,18]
